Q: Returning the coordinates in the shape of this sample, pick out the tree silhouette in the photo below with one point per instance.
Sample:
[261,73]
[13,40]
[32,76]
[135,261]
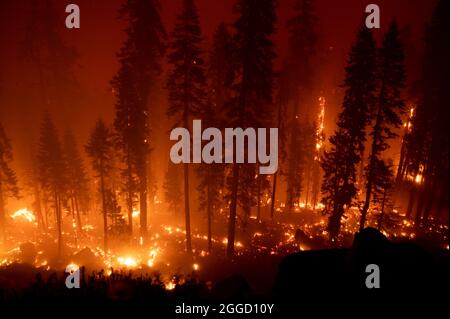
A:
[389,108]
[251,104]
[295,165]
[427,146]
[211,176]
[139,60]
[302,47]
[77,181]
[186,83]
[347,144]
[52,170]
[282,101]
[100,149]
[8,179]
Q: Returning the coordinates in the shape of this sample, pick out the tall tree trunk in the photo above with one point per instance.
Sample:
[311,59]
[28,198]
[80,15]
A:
[274,190]
[130,193]
[38,207]
[380,220]
[105,219]
[361,170]
[233,207]
[143,202]
[373,154]
[187,209]
[72,207]
[430,200]
[258,207]
[209,212]
[411,200]
[307,187]
[58,222]
[419,208]
[402,161]
[77,210]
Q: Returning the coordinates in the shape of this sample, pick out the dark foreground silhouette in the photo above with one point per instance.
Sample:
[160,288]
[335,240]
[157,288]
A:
[325,281]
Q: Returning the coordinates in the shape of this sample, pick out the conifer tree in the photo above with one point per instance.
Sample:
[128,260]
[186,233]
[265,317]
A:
[52,171]
[100,149]
[302,47]
[77,186]
[340,163]
[8,179]
[428,142]
[251,105]
[186,84]
[140,65]
[388,109]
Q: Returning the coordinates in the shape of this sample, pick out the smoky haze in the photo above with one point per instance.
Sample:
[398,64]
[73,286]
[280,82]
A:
[101,36]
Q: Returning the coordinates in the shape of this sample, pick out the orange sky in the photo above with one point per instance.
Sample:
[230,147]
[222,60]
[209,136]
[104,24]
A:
[101,36]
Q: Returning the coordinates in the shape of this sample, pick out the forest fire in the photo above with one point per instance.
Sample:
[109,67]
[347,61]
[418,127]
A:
[217,151]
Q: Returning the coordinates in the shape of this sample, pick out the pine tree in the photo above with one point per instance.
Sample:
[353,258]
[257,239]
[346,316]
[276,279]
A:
[389,108]
[251,104]
[77,185]
[309,148]
[302,46]
[282,100]
[139,59]
[100,150]
[8,179]
[347,144]
[52,171]
[35,190]
[428,143]
[220,74]
[186,83]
